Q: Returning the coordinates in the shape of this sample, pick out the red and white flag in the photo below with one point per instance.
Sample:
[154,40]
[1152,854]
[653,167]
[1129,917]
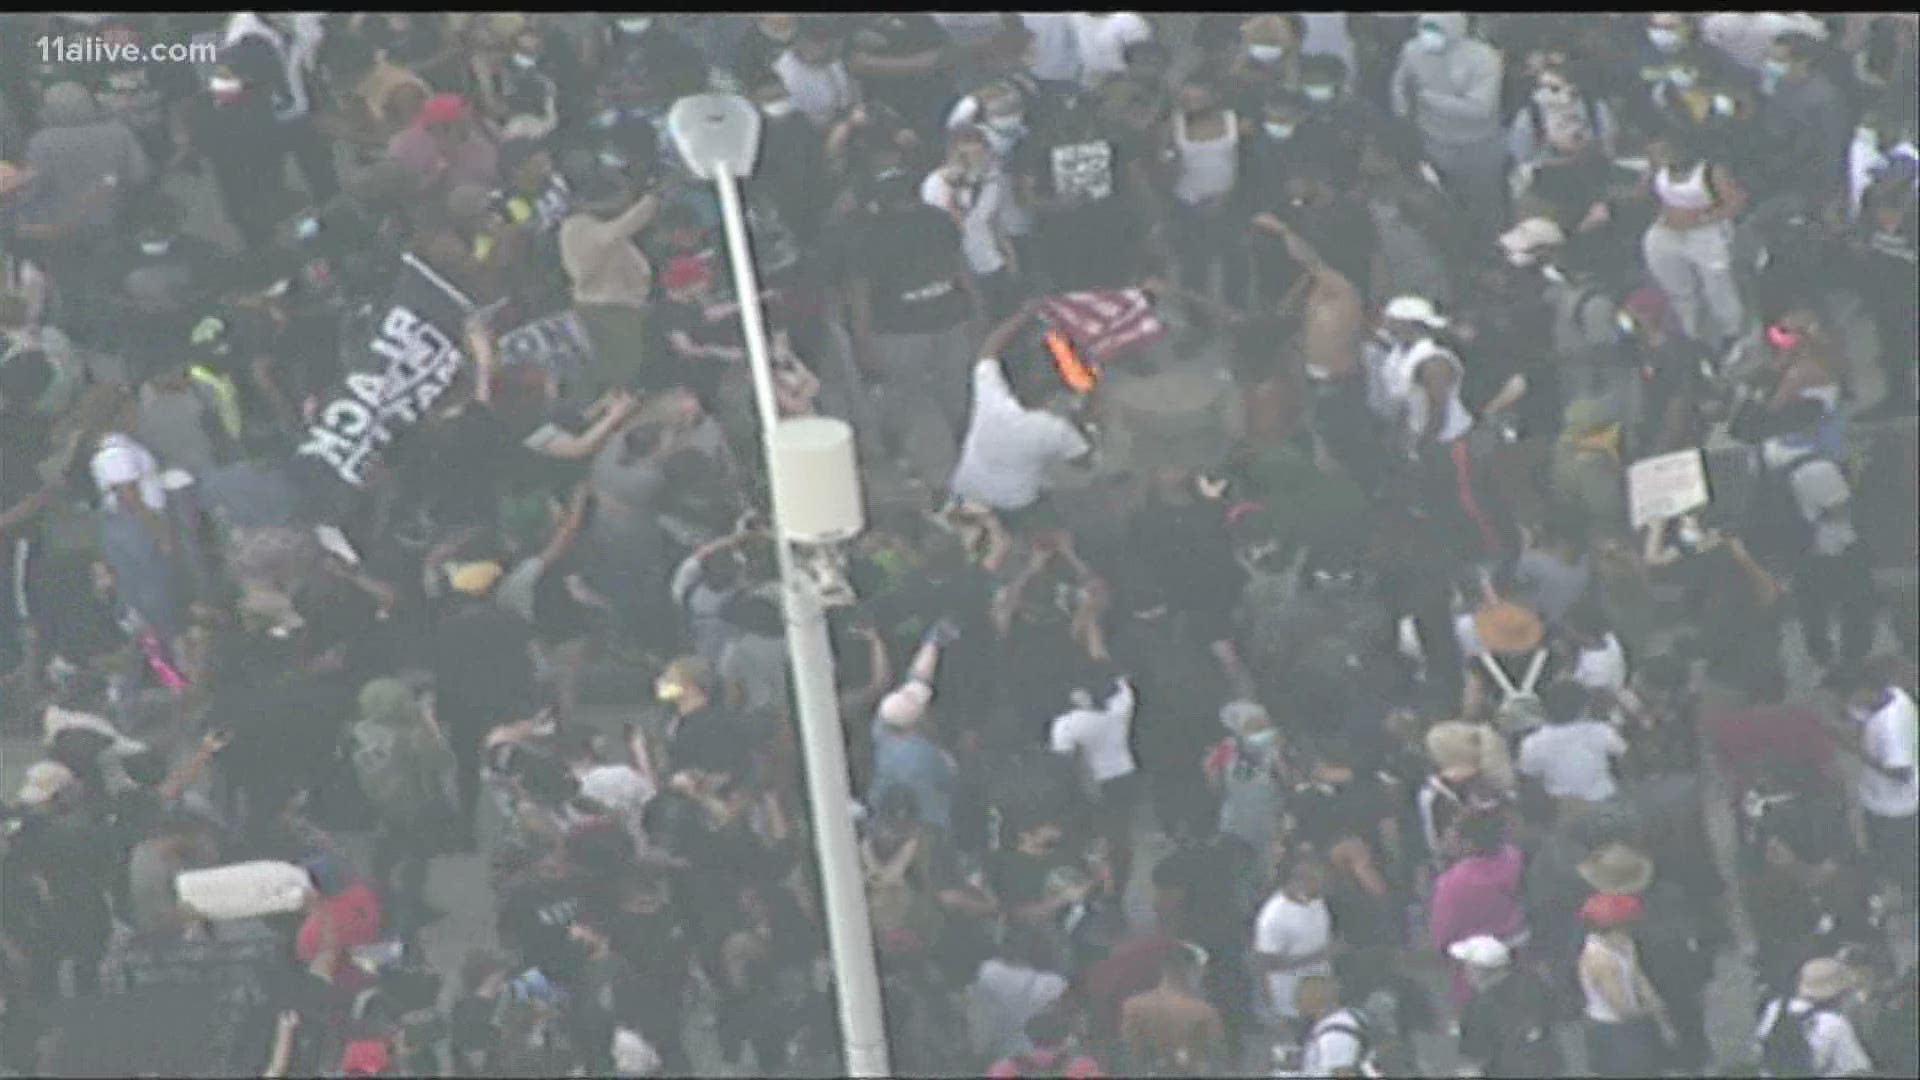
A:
[1105,323]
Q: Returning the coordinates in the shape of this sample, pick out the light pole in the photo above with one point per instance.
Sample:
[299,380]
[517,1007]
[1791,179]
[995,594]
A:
[815,500]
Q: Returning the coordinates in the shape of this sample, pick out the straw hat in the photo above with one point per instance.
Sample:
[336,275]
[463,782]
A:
[44,781]
[1823,979]
[474,578]
[1505,627]
[1454,746]
[1617,868]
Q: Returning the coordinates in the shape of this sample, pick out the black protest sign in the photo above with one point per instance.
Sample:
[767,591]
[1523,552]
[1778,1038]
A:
[416,353]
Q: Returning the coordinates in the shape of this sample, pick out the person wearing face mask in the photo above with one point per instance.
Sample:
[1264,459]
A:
[1269,57]
[970,188]
[1888,278]
[226,126]
[290,43]
[1669,60]
[1204,153]
[1448,85]
[1331,110]
[792,170]
[1803,121]
[1562,128]
[815,77]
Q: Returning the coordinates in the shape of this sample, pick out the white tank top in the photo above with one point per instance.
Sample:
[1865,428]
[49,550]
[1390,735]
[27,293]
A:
[1207,169]
[1402,381]
[1689,194]
[1598,1009]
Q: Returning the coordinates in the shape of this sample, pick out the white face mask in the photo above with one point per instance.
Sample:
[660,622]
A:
[1432,40]
[1010,122]
[222,85]
[1319,95]
[154,247]
[1547,99]
[639,25]
[525,61]
[1280,131]
[1266,54]
[1664,39]
[775,110]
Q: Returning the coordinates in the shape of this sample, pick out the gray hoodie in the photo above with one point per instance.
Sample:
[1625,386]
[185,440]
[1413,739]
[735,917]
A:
[1452,96]
[74,153]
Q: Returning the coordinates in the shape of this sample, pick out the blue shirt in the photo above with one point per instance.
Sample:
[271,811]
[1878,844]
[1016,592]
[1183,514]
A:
[914,762]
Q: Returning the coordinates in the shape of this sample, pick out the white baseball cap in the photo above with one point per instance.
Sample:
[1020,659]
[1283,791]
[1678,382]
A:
[1414,309]
[1486,953]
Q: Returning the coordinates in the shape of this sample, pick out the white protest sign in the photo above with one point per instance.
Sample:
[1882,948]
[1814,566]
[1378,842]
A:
[1666,486]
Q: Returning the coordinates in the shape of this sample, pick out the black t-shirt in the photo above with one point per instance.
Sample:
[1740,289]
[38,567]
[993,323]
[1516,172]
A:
[535,917]
[920,99]
[286,732]
[712,740]
[25,441]
[912,259]
[1342,233]
[1189,553]
[1090,243]
[1018,879]
[483,674]
[459,463]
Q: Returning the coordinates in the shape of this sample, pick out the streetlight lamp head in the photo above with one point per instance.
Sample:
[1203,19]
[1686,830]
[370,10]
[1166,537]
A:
[716,131]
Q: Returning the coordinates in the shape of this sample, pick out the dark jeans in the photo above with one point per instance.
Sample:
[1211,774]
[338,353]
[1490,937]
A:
[1836,588]
[1201,238]
[1893,844]
[1633,1048]
[402,858]
[313,153]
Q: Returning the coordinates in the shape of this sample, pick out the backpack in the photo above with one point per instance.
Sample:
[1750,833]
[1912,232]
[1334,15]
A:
[1520,709]
[1776,531]
[1351,1024]
[393,782]
[1787,1049]
[905,916]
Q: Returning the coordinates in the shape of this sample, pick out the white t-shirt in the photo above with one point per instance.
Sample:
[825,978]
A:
[1602,668]
[1332,1045]
[1288,929]
[975,208]
[1835,1049]
[1008,449]
[120,460]
[1099,736]
[1102,41]
[1888,737]
[820,92]
[1054,55]
[1571,760]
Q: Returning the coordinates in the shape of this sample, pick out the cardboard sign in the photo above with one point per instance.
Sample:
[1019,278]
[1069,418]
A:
[1666,486]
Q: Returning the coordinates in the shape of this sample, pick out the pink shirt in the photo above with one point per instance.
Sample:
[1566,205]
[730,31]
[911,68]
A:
[1477,895]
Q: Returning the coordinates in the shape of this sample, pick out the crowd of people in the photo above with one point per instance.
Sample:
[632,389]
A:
[1221,659]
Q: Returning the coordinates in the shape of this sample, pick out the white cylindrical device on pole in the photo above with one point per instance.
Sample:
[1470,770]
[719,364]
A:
[718,135]
[816,486]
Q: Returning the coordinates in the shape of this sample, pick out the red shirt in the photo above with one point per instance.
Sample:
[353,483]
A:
[356,919]
[1746,738]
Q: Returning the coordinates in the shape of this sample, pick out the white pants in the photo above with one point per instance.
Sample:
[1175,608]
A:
[1694,267]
